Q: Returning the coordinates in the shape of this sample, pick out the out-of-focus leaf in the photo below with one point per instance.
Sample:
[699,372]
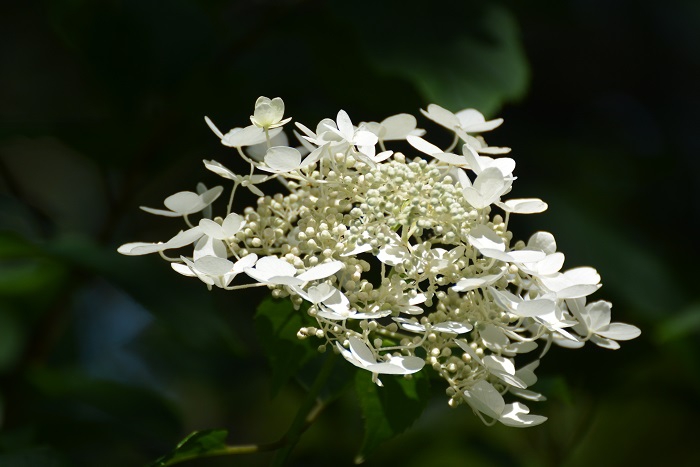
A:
[339,380]
[13,245]
[140,277]
[29,276]
[277,324]
[388,411]
[31,457]
[196,444]
[144,411]
[556,388]
[11,339]
[680,325]
[472,59]
[62,183]
[626,266]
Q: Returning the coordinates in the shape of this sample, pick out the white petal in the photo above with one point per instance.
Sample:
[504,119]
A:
[321,271]
[576,291]
[453,159]
[160,212]
[321,292]
[597,315]
[258,151]
[517,415]
[182,269]
[184,238]
[246,262]
[211,228]
[619,332]
[583,275]
[393,254]
[382,156]
[505,299]
[472,121]
[211,195]
[357,250]
[213,128]
[232,224]
[527,394]
[140,248]
[209,246]
[282,159]
[248,136]
[503,369]
[463,179]
[484,398]
[350,357]
[543,241]
[468,350]
[398,366]
[491,184]
[418,299]
[493,337]
[498,363]
[219,169]
[184,202]
[482,237]
[423,146]
[453,327]
[470,117]
[314,156]
[365,138]
[524,256]
[213,266]
[410,325]
[538,307]
[345,127]
[262,100]
[441,116]
[551,264]
[527,372]
[398,126]
[605,343]
[524,206]
[274,266]
[361,351]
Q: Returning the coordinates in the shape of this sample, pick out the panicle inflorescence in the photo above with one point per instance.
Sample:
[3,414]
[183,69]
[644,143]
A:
[400,259]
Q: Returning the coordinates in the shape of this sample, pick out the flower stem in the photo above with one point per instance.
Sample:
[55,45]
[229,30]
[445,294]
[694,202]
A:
[306,412]
[309,410]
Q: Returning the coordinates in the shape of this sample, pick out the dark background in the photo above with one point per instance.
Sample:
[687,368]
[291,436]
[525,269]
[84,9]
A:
[107,360]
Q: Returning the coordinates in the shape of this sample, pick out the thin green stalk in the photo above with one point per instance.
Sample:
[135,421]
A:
[291,437]
[306,415]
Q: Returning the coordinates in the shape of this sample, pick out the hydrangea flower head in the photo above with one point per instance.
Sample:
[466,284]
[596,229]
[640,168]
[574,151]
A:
[405,262]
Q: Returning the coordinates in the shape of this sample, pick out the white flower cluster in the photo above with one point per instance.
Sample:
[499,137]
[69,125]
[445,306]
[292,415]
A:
[400,260]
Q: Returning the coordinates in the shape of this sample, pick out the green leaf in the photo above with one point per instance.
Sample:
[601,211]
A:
[14,245]
[147,413]
[11,339]
[196,444]
[680,325]
[35,455]
[277,324]
[340,379]
[471,58]
[390,410]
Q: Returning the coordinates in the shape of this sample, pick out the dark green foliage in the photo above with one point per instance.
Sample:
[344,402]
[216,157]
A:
[388,411]
[196,444]
[277,324]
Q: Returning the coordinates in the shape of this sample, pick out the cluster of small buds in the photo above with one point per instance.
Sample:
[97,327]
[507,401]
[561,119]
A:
[400,259]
